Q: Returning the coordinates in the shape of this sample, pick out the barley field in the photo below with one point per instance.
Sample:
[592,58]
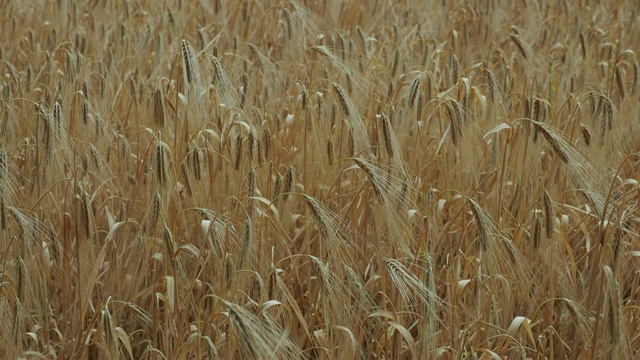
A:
[319,179]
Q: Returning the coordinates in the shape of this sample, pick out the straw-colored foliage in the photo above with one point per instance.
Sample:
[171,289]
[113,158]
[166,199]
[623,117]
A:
[319,179]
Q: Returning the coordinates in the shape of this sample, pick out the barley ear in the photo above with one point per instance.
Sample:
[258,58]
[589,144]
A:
[288,182]
[246,251]
[548,214]
[483,225]
[554,140]
[158,108]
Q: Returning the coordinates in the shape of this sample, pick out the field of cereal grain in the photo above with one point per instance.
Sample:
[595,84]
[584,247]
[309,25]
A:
[319,179]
